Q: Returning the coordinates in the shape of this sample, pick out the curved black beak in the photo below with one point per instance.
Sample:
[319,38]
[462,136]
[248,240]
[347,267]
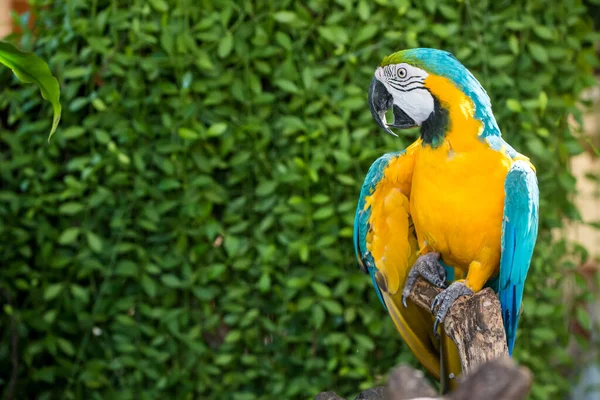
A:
[380,101]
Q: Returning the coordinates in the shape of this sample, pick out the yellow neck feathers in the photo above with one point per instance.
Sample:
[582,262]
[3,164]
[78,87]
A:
[463,129]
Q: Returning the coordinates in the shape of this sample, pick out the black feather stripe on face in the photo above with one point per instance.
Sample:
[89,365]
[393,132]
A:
[434,128]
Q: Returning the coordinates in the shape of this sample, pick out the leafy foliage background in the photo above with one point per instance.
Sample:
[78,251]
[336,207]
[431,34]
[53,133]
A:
[187,231]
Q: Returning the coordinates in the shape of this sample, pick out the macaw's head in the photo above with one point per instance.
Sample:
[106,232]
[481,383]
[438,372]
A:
[430,89]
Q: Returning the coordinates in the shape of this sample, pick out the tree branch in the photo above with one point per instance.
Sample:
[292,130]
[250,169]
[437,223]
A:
[498,379]
[475,324]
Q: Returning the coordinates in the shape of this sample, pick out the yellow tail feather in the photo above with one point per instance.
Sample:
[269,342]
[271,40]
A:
[415,325]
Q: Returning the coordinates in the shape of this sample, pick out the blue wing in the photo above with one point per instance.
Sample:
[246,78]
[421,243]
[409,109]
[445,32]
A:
[519,234]
[361,218]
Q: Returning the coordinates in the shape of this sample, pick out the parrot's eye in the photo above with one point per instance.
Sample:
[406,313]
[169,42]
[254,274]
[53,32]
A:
[401,73]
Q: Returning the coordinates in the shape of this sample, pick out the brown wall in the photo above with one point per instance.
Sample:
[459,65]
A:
[6,6]
[5,24]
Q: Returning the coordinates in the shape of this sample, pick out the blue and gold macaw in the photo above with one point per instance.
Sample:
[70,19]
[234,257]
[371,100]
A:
[458,205]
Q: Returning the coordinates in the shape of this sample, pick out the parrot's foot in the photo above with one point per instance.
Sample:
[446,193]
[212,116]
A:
[428,266]
[445,301]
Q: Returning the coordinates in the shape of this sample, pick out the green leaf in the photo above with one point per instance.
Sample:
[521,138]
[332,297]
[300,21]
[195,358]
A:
[363,10]
[441,31]
[365,33]
[73,132]
[334,34]
[233,337]
[66,346]
[501,60]
[305,303]
[94,242]
[543,100]
[168,184]
[321,289]
[99,104]
[223,359]
[430,5]
[69,235]
[188,134]
[513,43]
[225,45]
[332,306]
[264,283]
[30,68]
[71,208]
[318,316]
[216,129]
[148,285]
[266,188]
[514,105]
[80,293]
[286,85]
[536,147]
[323,213]
[76,72]
[346,180]
[349,314]
[159,5]
[543,334]
[538,52]
[364,342]
[52,291]
[543,32]
[126,268]
[543,132]
[448,11]
[304,252]
[171,281]
[297,282]
[320,198]
[232,245]
[285,17]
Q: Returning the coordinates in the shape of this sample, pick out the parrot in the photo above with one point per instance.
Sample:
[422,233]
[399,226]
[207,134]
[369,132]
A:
[458,207]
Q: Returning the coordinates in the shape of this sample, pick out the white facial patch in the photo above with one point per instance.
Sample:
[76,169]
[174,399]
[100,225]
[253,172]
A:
[406,85]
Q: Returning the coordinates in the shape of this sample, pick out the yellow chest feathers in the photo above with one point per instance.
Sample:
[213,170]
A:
[457,202]
[457,196]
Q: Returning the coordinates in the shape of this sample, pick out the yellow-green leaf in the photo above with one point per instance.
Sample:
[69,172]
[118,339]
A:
[285,17]
[52,291]
[94,242]
[187,133]
[514,105]
[160,5]
[68,236]
[216,129]
[538,52]
[225,45]
[29,68]
[543,99]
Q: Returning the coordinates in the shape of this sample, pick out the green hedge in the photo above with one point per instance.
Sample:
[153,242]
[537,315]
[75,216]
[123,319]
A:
[187,231]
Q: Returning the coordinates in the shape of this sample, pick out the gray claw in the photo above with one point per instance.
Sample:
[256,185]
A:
[445,300]
[428,266]
[434,303]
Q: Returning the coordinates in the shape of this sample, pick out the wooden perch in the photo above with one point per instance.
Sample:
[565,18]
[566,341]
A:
[498,379]
[475,324]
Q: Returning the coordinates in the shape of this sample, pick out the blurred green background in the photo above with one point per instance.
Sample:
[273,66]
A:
[187,231]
